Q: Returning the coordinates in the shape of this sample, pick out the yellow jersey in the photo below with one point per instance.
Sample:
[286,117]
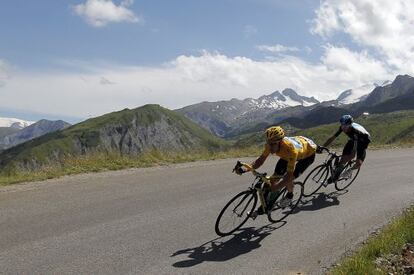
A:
[293,149]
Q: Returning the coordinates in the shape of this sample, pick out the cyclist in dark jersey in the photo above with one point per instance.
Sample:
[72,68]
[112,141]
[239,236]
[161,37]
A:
[359,138]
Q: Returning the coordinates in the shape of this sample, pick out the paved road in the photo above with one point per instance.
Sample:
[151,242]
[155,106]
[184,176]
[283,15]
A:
[161,221]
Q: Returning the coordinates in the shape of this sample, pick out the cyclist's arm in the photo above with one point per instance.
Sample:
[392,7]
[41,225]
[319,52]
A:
[332,138]
[289,177]
[260,160]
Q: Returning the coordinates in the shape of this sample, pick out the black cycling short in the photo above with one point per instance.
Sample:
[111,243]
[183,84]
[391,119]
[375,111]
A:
[361,147]
[301,165]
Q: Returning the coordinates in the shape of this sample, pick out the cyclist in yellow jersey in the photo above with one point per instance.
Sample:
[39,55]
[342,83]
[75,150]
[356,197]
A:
[296,154]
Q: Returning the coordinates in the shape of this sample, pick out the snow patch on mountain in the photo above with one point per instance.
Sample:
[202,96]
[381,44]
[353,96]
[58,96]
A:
[279,100]
[359,94]
[14,122]
[220,116]
[355,95]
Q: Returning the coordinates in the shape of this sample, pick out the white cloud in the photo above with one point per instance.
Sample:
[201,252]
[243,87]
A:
[99,13]
[187,80]
[326,20]
[386,27]
[276,48]
[354,66]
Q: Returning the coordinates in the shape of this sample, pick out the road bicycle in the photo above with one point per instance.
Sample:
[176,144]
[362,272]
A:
[321,174]
[237,211]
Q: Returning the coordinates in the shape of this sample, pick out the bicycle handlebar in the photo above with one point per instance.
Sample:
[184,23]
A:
[263,176]
[328,151]
[324,149]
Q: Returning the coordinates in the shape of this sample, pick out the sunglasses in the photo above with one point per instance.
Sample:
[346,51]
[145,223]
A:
[273,143]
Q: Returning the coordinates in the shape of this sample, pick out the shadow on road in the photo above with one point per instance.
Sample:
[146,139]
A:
[319,201]
[223,249]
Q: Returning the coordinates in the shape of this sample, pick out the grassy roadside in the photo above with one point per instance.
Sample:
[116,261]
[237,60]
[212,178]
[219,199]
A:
[103,162]
[390,240]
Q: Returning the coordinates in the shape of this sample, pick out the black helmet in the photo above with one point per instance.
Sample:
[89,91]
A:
[346,120]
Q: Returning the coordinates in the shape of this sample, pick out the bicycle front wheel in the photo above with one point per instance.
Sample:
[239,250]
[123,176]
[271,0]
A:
[235,213]
[347,177]
[315,179]
[279,212]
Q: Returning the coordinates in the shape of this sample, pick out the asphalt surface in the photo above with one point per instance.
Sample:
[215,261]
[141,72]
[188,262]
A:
[161,221]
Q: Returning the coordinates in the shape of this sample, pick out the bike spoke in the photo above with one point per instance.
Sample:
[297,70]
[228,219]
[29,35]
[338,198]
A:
[347,177]
[235,213]
[314,180]
[278,212]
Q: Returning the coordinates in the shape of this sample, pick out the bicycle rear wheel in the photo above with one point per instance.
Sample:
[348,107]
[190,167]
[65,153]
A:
[315,179]
[279,213]
[347,177]
[235,213]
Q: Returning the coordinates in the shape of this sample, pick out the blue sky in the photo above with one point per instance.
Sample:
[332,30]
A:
[38,34]
[83,58]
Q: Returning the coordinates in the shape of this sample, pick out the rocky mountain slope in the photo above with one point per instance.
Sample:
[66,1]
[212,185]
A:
[223,116]
[147,128]
[4,131]
[385,98]
[402,85]
[35,130]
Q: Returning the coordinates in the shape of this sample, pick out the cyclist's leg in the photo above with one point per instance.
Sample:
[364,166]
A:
[271,195]
[361,154]
[280,171]
[302,165]
[348,152]
[281,167]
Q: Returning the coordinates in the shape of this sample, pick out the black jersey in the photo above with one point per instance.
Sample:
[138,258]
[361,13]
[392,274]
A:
[357,133]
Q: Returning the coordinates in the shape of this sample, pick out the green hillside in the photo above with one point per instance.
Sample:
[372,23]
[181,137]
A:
[391,128]
[152,135]
[385,129]
[134,132]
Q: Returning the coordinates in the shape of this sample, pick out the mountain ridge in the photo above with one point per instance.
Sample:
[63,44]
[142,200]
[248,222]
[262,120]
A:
[220,117]
[124,132]
[34,130]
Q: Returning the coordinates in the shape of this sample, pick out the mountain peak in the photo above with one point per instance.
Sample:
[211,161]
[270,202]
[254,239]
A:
[403,76]
[14,122]
[219,117]
[289,92]
[401,79]
[355,95]
[275,94]
[303,100]
[402,84]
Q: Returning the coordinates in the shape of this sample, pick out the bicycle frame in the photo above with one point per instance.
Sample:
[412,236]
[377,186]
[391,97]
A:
[258,186]
[259,183]
[237,206]
[344,176]
[332,160]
